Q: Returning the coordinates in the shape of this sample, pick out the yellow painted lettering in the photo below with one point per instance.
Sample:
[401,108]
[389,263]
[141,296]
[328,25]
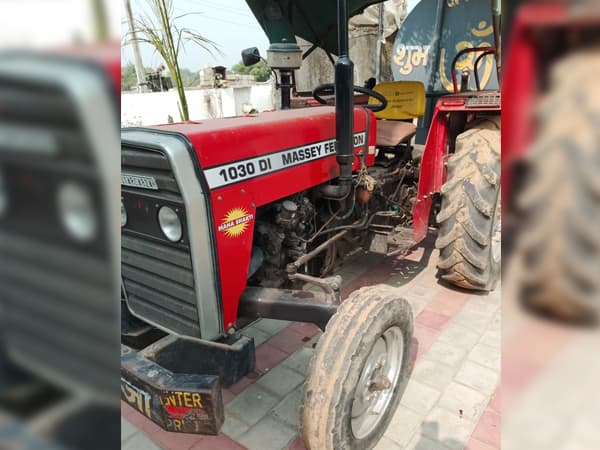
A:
[187,400]
[197,400]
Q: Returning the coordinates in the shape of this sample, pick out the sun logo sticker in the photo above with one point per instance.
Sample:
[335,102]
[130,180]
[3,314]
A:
[235,222]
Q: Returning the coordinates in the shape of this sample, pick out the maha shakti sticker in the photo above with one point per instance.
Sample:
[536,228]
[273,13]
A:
[235,222]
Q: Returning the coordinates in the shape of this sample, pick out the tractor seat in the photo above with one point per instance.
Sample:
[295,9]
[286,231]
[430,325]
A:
[406,102]
[391,133]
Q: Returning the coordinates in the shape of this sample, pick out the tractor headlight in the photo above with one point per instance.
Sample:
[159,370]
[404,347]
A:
[123,215]
[3,196]
[170,224]
[77,211]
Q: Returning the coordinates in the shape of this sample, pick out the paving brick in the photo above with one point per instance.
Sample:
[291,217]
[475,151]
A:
[139,441]
[268,434]
[281,380]
[473,320]
[241,385]
[233,427]
[287,340]
[492,337]
[425,338]
[300,360]
[268,357]
[387,444]
[220,442]
[419,397]
[259,335]
[446,304]
[496,401]
[297,444]
[464,401]
[446,353]
[252,404]
[432,319]
[433,373]
[127,429]
[307,330]
[420,442]
[227,395]
[271,326]
[403,425]
[486,356]
[474,444]
[482,305]
[488,429]
[448,428]
[417,303]
[478,377]
[460,336]
[288,410]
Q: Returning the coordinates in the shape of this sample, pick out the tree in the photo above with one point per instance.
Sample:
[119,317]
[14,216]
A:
[261,70]
[128,77]
[161,31]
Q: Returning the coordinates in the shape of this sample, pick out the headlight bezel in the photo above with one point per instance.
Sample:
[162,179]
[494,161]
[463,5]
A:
[77,212]
[124,215]
[170,223]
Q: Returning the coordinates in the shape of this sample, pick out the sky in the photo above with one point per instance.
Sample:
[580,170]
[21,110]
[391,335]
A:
[230,24]
[53,23]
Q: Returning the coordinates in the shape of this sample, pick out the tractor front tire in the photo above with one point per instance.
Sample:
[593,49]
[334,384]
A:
[359,372]
[469,219]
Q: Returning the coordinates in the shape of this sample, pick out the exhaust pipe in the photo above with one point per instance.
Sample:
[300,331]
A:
[344,110]
[497,24]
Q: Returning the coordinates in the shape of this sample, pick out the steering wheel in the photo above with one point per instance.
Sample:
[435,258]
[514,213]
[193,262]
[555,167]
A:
[329,89]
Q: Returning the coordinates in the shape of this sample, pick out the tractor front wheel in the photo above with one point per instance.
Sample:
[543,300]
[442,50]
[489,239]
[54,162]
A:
[359,371]
[469,219]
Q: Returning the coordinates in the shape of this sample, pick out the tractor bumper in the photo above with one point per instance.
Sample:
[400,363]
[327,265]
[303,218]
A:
[184,403]
[176,383]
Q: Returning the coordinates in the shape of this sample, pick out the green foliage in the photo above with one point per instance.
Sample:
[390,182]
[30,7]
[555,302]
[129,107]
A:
[128,77]
[190,78]
[261,70]
[159,29]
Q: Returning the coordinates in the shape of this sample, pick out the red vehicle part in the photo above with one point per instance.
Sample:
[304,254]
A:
[269,157]
[433,171]
[521,76]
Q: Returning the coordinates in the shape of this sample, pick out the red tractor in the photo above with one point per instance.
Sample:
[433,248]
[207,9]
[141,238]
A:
[59,247]
[551,159]
[224,221]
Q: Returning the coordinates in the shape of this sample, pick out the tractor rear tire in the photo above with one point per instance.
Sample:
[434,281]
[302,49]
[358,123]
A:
[559,244]
[358,372]
[469,219]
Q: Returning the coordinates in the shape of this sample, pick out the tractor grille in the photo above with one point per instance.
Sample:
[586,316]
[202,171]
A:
[157,274]
[484,101]
[57,308]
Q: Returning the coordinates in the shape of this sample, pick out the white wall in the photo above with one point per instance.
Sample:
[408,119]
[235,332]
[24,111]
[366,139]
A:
[154,108]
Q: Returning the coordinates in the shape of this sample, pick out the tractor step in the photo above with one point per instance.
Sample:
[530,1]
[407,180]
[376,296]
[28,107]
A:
[176,382]
[393,241]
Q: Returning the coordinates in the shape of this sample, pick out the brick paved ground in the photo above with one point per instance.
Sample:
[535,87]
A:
[550,373]
[451,401]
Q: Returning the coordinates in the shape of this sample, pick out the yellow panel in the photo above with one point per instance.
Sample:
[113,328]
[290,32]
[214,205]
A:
[406,100]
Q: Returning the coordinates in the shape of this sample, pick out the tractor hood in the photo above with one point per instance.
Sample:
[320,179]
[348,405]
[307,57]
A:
[313,20]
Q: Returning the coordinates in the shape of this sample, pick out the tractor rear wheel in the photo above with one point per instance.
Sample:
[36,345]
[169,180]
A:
[559,244]
[469,219]
[359,372]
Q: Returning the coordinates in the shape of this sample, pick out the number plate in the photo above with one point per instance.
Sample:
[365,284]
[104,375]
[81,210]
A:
[138,181]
